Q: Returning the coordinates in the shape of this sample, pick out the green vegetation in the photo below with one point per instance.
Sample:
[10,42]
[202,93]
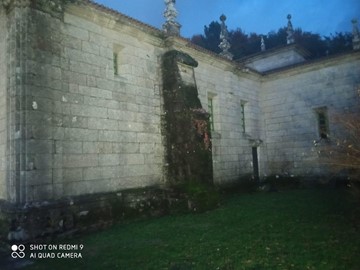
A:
[185,125]
[303,229]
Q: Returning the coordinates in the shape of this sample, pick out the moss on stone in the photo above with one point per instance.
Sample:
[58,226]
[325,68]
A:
[186,125]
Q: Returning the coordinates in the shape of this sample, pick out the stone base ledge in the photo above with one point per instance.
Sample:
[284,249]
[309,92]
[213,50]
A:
[85,213]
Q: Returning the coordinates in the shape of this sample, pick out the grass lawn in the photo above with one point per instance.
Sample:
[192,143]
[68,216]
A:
[287,230]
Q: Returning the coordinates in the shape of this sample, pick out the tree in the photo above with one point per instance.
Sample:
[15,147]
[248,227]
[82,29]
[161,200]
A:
[313,43]
[338,43]
[341,153]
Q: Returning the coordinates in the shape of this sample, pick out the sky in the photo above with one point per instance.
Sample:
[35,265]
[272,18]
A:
[260,16]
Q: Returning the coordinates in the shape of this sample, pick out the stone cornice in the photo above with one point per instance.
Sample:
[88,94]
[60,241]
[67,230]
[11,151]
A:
[116,21]
[9,4]
[53,7]
[309,66]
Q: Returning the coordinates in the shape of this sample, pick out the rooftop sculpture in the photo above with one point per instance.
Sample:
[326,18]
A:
[290,31]
[224,35]
[356,35]
[263,47]
[171,26]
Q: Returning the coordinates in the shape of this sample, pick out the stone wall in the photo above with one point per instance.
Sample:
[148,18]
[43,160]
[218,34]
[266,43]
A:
[229,87]
[114,139]
[85,129]
[3,103]
[85,105]
[289,100]
[231,146]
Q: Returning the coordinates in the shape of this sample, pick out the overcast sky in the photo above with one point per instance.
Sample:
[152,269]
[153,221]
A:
[259,16]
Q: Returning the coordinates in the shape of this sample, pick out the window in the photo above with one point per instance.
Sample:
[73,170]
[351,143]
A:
[323,122]
[211,112]
[242,116]
[116,64]
[117,58]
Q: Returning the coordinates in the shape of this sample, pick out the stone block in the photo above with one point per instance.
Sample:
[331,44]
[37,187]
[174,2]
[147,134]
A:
[92,173]
[101,102]
[90,47]
[38,177]
[105,84]
[39,147]
[77,160]
[103,124]
[125,148]
[87,111]
[68,147]
[94,92]
[40,192]
[85,68]
[106,52]
[71,42]
[76,32]
[75,121]
[132,159]
[79,134]
[42,161]
[109,159]
[116,136]
[147,148]
[73,174]
[100,40]
[148,138]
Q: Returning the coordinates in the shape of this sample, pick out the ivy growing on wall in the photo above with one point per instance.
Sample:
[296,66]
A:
[186,125]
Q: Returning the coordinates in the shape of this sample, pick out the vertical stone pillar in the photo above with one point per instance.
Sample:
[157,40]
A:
[356,35]
[290,31]
[171,26]
[17,43]
[263,46]
[224,36]
[33,52]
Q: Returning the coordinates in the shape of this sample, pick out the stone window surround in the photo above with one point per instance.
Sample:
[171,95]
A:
[322,119]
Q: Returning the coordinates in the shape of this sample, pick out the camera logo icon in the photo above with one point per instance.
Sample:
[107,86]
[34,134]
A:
[18,251]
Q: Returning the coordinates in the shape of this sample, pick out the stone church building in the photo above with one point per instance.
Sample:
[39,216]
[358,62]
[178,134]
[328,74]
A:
[84,97]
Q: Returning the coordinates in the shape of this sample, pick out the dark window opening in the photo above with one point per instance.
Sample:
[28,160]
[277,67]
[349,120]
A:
[323,123]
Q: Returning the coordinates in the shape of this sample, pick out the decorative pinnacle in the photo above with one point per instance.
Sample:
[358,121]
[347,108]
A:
[356,35]
[290,31]
[263,47]
[224,35]
[171,26]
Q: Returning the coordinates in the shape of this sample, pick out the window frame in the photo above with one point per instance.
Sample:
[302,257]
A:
[210,106]
[242,116]
[322,119]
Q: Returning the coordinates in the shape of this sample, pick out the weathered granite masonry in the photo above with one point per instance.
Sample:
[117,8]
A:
[83,104]
[3,104]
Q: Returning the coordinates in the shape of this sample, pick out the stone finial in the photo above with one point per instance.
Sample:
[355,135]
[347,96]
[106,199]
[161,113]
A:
[356,35]
[171,26]
[263,47]
[224,36]
[290,31]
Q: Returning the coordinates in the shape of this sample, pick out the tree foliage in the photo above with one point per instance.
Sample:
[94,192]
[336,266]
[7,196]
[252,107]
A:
[243,44]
